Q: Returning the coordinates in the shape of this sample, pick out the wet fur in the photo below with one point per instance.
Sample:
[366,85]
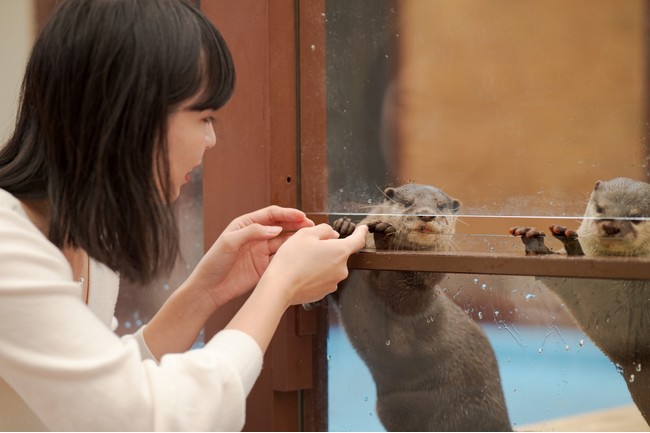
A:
[433,366]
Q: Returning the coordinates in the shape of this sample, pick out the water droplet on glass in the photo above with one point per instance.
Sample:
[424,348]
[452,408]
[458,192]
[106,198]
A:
[541,350]
[365,398]
[329,357]
[475,280]
[530,296]
[631,378]
[166,286]
[369,200]
[581,342]
[483,286]
[619,368]
[387,342]
[638,367]
[567,348]
[480,315]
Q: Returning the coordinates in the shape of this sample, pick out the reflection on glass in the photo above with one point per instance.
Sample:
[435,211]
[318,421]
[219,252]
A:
[526,112]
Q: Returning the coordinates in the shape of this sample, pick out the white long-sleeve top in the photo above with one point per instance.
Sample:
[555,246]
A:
[62,367]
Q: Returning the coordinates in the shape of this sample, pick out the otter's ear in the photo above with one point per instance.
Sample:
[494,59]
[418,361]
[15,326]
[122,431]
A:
[389,192]
[455,205]
[598,182]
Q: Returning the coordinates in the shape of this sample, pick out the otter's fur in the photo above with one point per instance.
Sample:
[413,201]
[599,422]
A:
[433,366]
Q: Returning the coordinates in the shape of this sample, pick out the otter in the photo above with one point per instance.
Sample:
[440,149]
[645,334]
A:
[433,366]
[615,314]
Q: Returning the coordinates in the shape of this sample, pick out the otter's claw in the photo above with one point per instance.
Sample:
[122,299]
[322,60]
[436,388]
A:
[344,226]
[533,240]
[569,239]
[380,227]
[383,234]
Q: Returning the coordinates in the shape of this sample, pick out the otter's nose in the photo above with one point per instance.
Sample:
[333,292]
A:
[610,228]
[427,218]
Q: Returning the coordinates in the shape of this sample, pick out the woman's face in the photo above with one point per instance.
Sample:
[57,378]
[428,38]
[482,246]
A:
[189,134]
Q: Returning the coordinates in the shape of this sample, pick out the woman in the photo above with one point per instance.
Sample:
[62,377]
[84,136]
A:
[117,107]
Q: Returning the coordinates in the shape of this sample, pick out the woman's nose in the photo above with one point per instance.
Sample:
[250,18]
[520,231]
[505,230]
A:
[210,136]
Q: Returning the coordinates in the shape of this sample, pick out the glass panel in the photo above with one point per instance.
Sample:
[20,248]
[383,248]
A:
[552,374]
[513,111]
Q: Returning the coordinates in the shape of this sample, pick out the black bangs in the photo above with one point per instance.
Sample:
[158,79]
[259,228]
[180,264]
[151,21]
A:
[216,70]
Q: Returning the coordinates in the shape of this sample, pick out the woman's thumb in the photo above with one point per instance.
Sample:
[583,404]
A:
[357,239]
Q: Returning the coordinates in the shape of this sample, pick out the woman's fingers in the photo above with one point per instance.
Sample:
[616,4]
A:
[357,239]
[288,218]
[250,233]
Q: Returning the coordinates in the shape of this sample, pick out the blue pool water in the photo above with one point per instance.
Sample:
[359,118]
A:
[547,373]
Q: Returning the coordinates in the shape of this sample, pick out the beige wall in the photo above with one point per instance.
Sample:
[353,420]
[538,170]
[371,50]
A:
[518,107]
[17,24]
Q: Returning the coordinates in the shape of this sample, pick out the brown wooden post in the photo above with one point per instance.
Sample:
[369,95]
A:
[313,186]
[253,165]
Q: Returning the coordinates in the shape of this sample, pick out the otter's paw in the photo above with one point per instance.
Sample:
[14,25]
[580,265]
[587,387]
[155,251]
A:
[533,240]
[384,235]
[344,226]
[569,239]
[379,227]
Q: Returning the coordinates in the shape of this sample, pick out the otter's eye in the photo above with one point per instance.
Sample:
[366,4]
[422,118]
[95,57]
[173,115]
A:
[634,219]
[599,209]
[407,203]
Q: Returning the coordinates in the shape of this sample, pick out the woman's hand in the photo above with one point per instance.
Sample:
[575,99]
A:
[308,266]
[257,249]
[311,263]
[241,254]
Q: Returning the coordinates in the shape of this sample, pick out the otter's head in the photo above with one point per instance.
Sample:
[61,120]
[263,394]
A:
[617,219]
[424,216]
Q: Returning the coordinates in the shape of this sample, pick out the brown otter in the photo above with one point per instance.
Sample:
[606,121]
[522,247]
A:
[615,314]
[433,366]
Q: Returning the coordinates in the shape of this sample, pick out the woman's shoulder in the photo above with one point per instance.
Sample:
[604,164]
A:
[10,202]
[24,249]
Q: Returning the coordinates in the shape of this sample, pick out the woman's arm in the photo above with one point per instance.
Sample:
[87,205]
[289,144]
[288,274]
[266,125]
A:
[306,265]
[305,269]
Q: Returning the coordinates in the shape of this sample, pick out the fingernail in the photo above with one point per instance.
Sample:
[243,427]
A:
[274,230]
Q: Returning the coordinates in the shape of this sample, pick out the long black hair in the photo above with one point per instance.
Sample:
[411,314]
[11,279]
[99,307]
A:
[90,135]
